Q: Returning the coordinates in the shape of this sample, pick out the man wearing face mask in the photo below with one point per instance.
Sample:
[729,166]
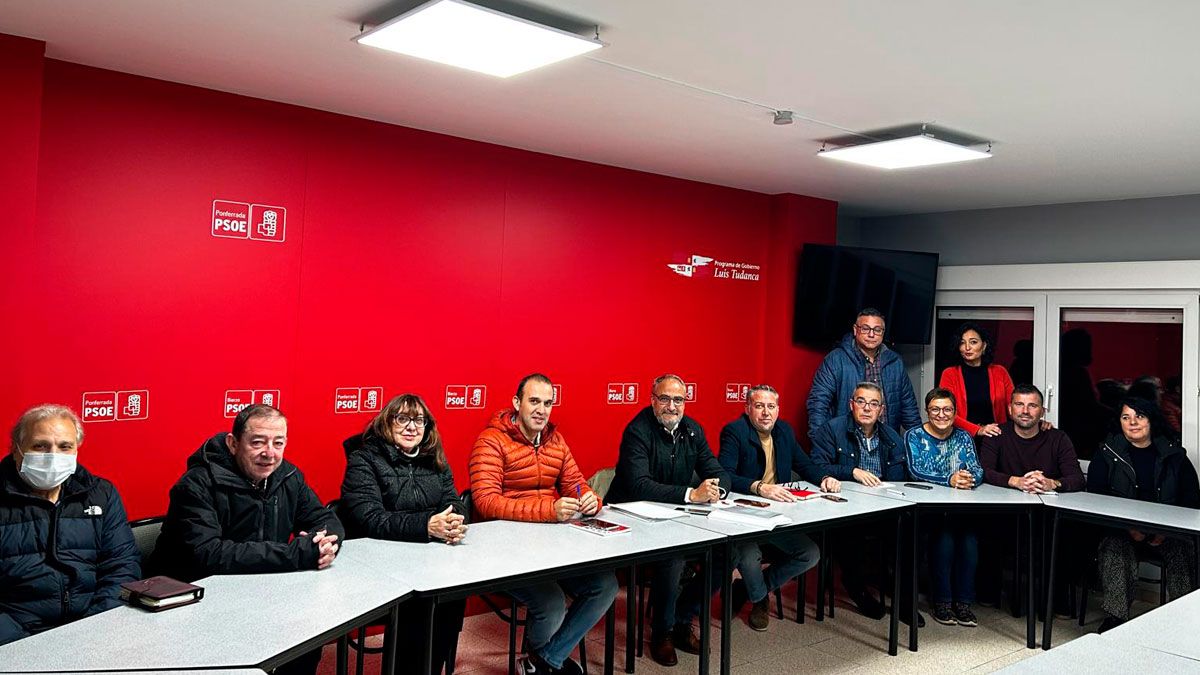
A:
[241,508]
[44,581]
[664,457]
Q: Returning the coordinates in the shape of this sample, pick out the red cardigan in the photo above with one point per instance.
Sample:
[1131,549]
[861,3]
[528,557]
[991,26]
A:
[1000,387]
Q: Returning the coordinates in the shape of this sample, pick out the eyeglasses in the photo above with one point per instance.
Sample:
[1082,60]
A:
[941,412]
[870,330]
[667,400]
[864,403]
[404,420]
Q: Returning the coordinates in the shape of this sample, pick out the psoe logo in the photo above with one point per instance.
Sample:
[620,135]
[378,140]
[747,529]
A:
[622,393]
[110,406]
[230,219]
[268,223]
[689,395]
[357,399]
[557,395]
[704,266]
[736,392]
[345,400]
[237,400]
[466,396]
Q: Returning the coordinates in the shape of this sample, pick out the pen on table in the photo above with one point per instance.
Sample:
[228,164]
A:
[896,492]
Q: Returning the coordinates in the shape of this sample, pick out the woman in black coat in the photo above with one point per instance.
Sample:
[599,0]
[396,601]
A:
[1143,462]
[399,487]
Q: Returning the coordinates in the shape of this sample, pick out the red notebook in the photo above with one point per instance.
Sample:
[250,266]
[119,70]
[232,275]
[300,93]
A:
[804,494]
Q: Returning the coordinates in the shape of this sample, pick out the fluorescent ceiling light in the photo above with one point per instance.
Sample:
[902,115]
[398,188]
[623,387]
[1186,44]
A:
[903,153]
[468,36]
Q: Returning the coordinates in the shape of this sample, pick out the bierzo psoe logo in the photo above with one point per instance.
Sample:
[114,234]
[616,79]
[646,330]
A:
[622,393]
[736,392]
[697,266]
[357,400]
[466,396]
[243,220]
[237,400]
[116,406]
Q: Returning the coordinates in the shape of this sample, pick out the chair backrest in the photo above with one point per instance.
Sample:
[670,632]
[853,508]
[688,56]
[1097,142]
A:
[352,444]
[601,481]
[465,496]
[145,535]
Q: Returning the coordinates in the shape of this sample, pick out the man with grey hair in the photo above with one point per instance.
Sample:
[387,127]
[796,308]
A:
[65,542]
[760,451]
[665,457]
[859,447]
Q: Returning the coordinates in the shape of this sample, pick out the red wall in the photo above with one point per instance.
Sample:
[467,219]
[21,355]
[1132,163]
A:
[412,261]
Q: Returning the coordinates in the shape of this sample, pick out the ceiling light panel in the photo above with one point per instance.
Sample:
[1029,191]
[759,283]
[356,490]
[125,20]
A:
[904,153]
[469,36]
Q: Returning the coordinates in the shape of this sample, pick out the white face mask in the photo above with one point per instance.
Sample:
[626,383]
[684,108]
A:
[47,470]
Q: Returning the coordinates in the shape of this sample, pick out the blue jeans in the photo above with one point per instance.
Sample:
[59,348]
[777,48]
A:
[793,554]
[553,630]
[671,605]
[953,557]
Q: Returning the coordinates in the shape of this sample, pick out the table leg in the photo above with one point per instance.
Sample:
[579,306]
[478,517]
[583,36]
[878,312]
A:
[727,609]
[1196,552]
[343,653]
[610,628]
[821,578]
[431,606]
[632,612]
[1048,621]
[1031,618]
[897,556]
[706,609]
[914,559]
[390,634]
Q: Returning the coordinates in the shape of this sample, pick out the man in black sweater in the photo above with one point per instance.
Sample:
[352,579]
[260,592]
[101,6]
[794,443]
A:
[1026,457]
[665,457]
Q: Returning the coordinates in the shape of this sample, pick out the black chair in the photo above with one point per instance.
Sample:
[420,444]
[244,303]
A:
[145,535]
[507,608]
[1085,583]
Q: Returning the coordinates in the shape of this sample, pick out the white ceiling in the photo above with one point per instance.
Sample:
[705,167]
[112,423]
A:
[1084,101]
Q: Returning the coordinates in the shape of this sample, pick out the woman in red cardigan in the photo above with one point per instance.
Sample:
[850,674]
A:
[983,389]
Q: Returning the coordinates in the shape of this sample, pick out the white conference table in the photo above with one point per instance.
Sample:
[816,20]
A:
[243,621]
[808,515]
[1097,654]
[501,555]
[942,498]
[1114,512]
[1172,628]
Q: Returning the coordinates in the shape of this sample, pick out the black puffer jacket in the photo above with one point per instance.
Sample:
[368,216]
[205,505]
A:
[60,562]
[386,495]
[1111,472]
[219,523]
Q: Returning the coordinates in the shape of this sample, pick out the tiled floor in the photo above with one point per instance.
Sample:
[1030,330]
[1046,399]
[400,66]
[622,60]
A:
[848,643]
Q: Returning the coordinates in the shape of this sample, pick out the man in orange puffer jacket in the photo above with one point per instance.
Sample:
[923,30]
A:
[522,469]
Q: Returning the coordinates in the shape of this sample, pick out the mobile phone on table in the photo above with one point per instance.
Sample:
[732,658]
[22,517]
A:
[751,502]
[833,498]
[918,486]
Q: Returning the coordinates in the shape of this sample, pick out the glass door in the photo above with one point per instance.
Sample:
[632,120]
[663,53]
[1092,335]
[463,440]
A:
[1105,346]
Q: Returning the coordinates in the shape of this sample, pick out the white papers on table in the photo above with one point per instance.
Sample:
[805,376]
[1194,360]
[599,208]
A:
[648,510]
[751,515]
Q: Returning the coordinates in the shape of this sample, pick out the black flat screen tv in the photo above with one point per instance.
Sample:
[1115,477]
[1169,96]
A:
[834,282]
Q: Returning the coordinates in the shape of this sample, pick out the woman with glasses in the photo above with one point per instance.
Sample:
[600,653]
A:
[399,487]
[942,454]
[982,388]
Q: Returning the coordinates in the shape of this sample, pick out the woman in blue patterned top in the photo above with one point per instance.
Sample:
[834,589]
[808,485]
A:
[942,454]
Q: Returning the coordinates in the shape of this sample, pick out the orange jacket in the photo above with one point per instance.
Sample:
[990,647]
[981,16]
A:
[1000,388]
[513,480]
